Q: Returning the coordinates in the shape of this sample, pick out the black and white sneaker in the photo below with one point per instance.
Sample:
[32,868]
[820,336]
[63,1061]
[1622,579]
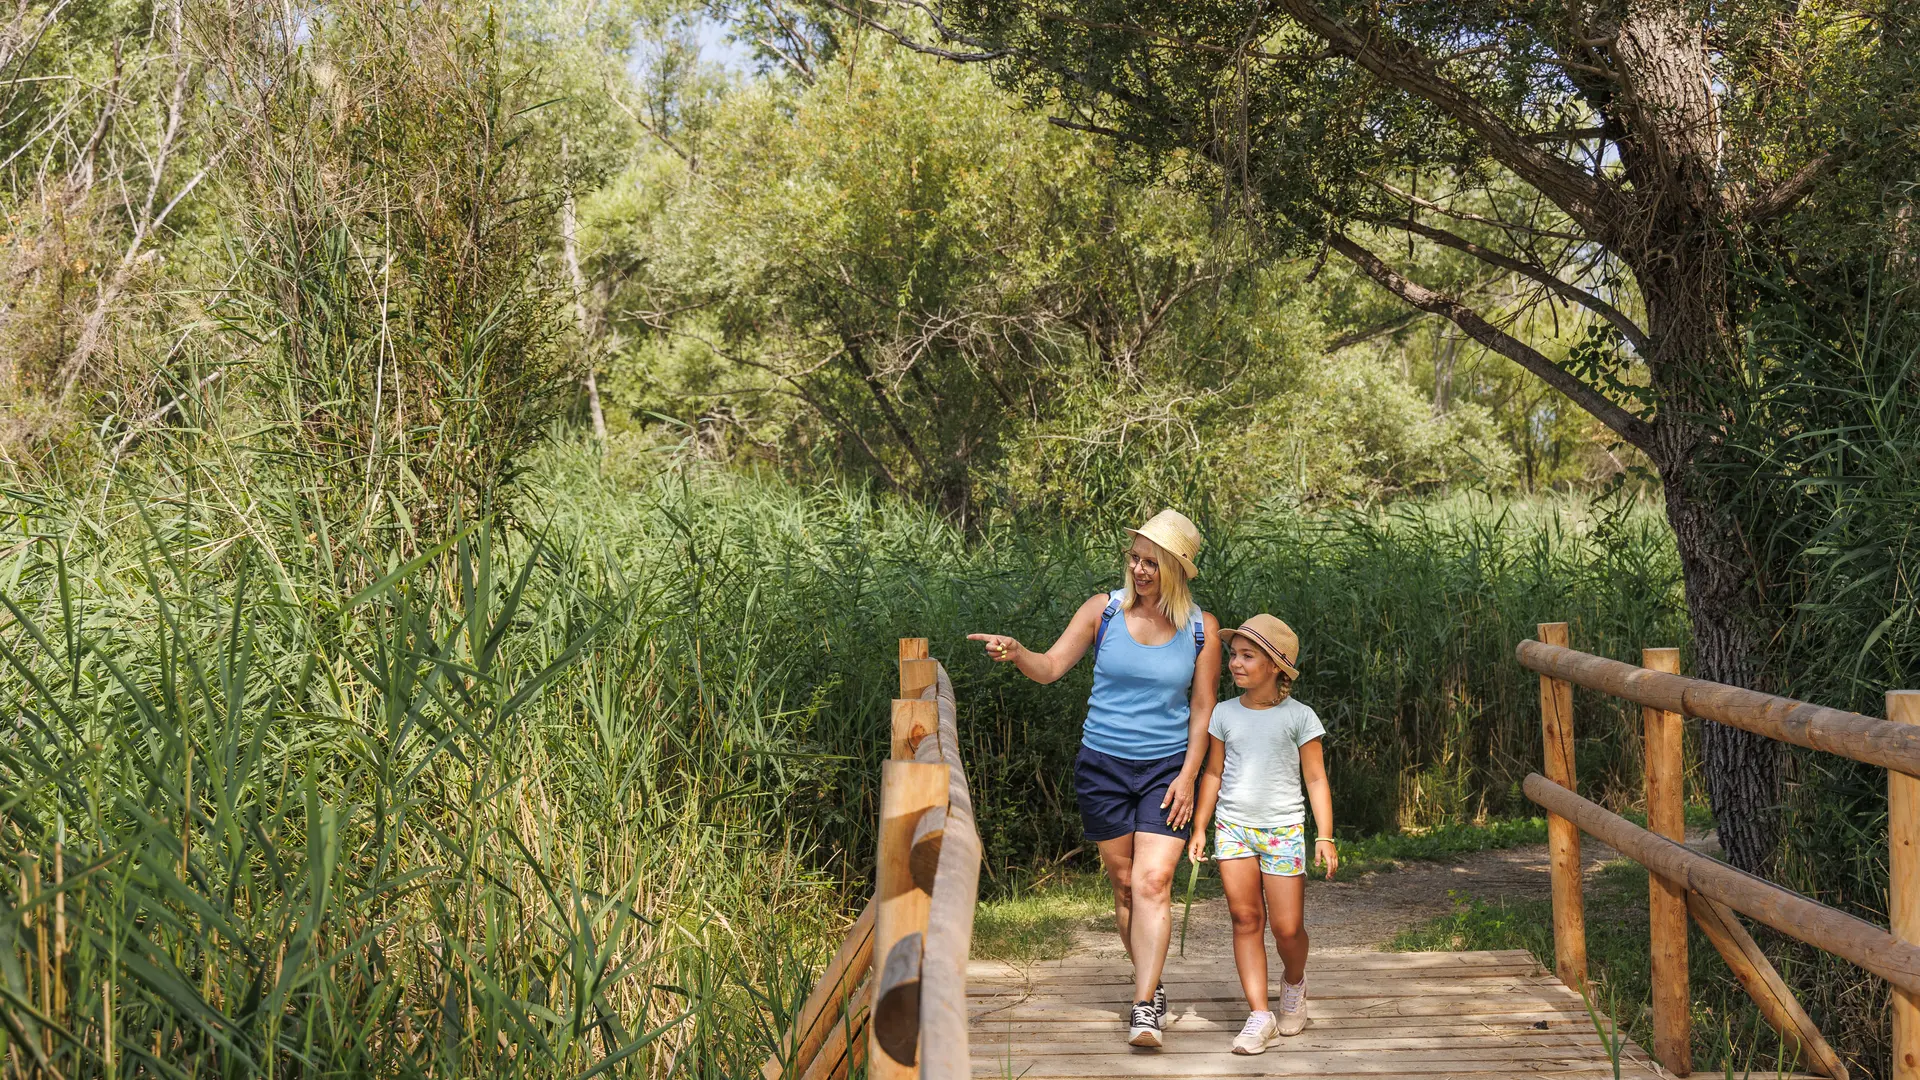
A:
[1160,1003]
[1145,1029]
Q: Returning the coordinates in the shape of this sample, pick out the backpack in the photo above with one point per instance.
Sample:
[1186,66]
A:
[1118,597]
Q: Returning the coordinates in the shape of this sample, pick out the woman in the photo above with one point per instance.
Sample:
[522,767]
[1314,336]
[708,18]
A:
[1156,673]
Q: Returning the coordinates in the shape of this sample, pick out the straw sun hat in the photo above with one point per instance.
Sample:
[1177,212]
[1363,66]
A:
[1177,535]
[1270,636]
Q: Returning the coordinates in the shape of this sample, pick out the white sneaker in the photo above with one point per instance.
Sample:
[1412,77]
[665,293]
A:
[1145,1029]
[1259,1030]
[1293,1006]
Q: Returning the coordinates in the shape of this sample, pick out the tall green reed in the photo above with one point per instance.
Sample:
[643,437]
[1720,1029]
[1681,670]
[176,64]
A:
[1408,618]
[593,792]
[486,814]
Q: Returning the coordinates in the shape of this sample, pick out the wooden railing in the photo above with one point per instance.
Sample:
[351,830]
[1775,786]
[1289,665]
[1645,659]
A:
[1683,882]
[905,1015]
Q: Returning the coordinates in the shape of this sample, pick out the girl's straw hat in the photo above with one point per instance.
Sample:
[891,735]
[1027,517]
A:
[1270,636]
[1177,535]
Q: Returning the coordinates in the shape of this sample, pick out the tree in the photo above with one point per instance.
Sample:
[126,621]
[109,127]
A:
[890,272]
[1657,143]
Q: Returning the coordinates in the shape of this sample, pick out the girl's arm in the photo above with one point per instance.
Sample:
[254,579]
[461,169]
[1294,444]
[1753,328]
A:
[1206,694]
[1209,796]
[1057,661]
[1313,771]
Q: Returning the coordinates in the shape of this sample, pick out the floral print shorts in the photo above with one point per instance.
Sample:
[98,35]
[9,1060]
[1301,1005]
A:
[1282,851]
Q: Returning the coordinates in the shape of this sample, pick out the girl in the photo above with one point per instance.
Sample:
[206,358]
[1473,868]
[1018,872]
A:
[1156,667]
[1266,746]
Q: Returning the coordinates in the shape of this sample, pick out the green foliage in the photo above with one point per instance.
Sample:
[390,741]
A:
[890,272]
[104,144]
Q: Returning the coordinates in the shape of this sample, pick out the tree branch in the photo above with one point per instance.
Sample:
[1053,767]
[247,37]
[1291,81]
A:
[1783,196]
[1096,129]
[1586,198]
[1627,327]
[1368,333]
[1628,426]
[857,359]
[982,53]
[1463,215]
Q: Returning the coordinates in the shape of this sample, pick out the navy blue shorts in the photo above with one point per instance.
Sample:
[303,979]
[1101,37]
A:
[1119,796]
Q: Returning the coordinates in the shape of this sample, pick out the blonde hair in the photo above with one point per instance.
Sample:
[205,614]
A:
[1176,594]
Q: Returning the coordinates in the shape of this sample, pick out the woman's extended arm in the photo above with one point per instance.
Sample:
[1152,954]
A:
[1313,770]
[1057,661]
[1209,796]
[1206,694]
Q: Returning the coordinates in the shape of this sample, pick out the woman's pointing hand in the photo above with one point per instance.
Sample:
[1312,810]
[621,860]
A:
[1000,647]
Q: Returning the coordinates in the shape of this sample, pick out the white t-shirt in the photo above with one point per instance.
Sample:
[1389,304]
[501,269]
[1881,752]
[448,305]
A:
[1260,786]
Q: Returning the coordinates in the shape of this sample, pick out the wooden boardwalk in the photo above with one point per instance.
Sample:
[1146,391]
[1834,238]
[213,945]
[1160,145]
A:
[1467,1014]
[902,999]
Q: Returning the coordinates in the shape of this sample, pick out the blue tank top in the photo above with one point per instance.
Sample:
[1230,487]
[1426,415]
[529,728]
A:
[1140,702]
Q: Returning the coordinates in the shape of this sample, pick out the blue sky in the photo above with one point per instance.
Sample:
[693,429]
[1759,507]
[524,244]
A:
[717,48]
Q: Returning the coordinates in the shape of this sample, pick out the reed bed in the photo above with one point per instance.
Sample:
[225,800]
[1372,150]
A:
[590,794]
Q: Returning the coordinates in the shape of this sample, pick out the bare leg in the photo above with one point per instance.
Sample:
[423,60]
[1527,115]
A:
[1116,857]
[1155,856]
[1248,906]
[1286,906]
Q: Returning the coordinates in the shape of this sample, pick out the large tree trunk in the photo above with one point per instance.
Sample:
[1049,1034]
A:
[1670,149]
[1741,769]
[1684,281]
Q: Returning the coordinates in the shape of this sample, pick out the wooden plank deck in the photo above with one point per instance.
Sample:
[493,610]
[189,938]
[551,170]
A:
[1483,1015]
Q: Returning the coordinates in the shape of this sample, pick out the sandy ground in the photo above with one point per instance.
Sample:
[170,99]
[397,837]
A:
[1362,914]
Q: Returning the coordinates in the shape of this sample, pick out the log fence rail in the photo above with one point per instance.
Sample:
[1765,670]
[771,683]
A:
[1683,883]
[894,996]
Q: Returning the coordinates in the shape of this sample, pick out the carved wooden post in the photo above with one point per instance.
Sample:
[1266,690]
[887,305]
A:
[1903,885]
[908,790]
[1563,837]
[1666,900]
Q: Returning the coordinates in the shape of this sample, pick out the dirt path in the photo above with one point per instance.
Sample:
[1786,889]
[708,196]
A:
[1362,914]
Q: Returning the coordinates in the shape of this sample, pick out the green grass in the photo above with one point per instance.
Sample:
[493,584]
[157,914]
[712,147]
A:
[1039,923]
[1728,1032]
[1386,851]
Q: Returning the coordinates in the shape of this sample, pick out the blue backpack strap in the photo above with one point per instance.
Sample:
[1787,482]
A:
[1114,600]
[1199,629]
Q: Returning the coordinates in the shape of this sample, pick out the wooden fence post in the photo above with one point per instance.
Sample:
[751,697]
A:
[914,719]
[917,670]
[908,790]
[1563,837]
[1903,885]
[1667,900]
